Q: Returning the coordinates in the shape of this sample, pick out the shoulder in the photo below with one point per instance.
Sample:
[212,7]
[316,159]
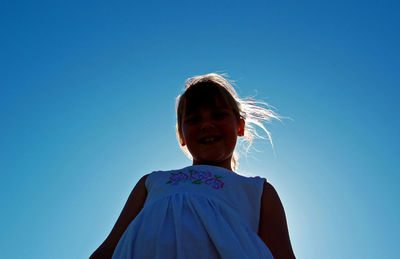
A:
[138,194]
[152,178]
[269,190]
[142,182]
[273,228]
[143,179]
[270,200]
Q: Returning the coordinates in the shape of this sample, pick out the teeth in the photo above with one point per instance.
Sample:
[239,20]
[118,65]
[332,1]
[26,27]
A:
[210,139]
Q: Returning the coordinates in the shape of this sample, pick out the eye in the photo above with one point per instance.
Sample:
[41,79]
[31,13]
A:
[220,115]
[193,119]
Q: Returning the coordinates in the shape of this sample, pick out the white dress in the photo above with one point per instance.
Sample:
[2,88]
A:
[197,212]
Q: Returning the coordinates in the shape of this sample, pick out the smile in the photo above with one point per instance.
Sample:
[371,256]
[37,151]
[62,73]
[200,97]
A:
[208,140]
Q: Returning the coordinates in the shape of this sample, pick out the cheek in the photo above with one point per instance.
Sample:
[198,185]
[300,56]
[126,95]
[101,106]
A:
[187,132]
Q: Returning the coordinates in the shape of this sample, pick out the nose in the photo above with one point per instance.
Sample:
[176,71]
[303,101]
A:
[206,124]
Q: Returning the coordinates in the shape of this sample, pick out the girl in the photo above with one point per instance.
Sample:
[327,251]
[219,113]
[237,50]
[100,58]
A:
[205,210]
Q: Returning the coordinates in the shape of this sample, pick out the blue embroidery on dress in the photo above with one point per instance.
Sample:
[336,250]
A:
[197,177]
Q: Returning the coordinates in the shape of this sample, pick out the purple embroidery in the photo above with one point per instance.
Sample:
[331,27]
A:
[197,178]
[215,182]
[175,178]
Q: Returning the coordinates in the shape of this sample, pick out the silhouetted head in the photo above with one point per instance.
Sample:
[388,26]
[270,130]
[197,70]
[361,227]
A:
[215,92]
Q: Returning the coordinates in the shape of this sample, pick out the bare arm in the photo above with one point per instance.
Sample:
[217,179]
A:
[273,228]
[131,209]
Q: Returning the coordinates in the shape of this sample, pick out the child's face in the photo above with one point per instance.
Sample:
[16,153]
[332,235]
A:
[210,134]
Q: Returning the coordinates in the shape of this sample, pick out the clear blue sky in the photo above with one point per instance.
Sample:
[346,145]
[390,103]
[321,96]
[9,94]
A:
[87,107]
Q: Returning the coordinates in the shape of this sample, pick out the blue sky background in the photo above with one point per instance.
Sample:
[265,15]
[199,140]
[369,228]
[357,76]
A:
[87,107]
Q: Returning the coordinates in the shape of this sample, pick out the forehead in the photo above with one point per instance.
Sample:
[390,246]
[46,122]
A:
[206,109]
[206,96]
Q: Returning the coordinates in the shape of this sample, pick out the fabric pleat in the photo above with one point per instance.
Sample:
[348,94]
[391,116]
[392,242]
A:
[192,220]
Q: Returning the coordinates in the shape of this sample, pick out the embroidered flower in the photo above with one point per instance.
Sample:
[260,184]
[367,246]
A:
[215,182]
[177,177]
[197,177]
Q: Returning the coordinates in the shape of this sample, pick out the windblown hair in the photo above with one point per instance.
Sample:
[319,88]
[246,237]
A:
[205,90]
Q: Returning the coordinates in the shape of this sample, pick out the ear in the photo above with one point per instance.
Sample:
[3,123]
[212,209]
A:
[241,127]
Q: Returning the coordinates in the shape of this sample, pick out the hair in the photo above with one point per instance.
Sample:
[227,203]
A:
[206,89]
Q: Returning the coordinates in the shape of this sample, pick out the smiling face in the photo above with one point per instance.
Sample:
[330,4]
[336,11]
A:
[210,135]
[209,128]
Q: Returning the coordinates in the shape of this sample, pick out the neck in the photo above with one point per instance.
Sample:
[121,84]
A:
[225,164]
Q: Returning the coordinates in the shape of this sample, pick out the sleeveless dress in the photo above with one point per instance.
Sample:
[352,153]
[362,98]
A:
[197,212]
